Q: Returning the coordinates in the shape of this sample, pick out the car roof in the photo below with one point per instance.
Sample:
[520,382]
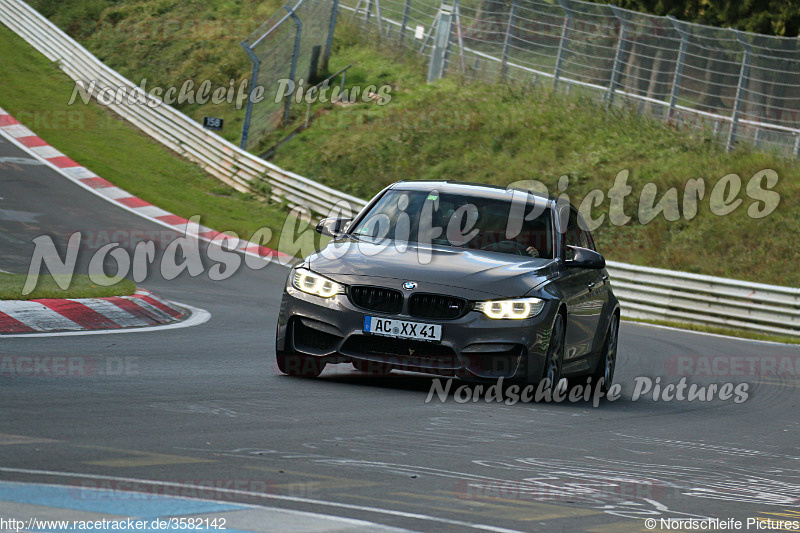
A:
[481,190]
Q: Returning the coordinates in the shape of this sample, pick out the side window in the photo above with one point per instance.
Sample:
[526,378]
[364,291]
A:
[589,241]
[572,235]
[585,236]
[575,235]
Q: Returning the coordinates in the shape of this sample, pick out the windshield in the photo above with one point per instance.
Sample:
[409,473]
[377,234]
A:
[514,225]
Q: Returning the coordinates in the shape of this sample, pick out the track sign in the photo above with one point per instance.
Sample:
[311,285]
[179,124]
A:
[212,123]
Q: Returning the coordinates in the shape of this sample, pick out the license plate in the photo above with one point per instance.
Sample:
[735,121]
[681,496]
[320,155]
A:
[390,327]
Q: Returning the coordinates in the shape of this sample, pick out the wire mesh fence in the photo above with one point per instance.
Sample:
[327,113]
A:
[286,51]
[742,87]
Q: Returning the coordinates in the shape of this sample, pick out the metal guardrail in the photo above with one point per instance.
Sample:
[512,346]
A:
[649,293]
[655,293]
[167,125]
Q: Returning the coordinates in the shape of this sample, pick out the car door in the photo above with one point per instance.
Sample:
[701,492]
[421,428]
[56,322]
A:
[598,286]
[582,289]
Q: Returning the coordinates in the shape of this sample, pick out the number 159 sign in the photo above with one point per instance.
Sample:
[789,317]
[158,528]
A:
[212,123]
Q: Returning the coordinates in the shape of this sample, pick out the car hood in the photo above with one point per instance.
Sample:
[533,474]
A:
[468,273]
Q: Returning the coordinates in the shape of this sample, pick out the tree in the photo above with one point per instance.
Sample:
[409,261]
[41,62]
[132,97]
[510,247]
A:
[769,17]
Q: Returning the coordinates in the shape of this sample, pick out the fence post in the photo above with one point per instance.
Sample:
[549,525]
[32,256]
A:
[379,16]
[299,30]
[797,146]
[561,45]
[744,74]
[329,42]
[403,27]
[506,41]
[678,76]
[441,42]
[253,82]
[368,11]
[616,70]
[357,9]
[434,24]
[457,16]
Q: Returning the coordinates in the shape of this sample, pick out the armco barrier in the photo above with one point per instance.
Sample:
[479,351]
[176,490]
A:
[644,292]
[656,293]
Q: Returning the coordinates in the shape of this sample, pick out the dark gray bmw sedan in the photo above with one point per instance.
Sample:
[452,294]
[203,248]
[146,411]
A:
[455,279]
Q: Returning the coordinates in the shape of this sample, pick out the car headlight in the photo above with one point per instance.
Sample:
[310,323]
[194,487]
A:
[312,283]
[517,309]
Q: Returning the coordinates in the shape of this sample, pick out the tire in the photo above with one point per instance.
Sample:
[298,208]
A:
[555,355]
[607,362]
[373,368]
[298,365]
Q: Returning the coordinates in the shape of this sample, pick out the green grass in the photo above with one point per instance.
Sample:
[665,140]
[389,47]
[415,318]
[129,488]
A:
[11,288]
[158,40]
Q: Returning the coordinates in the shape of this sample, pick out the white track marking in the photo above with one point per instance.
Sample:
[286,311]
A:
[46,152]
[198,316]
[352,507]
[45,318]
[300,514]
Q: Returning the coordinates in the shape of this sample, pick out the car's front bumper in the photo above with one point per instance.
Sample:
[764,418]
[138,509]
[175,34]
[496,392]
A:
[473,346]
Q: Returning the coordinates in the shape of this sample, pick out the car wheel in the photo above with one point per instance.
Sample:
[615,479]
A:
[304,366]
[607,362]
[374,368]
[555,355]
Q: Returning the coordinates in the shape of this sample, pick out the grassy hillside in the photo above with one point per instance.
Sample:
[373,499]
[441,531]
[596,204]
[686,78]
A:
[501,134]
[168,41]
[470,131]
[35,92]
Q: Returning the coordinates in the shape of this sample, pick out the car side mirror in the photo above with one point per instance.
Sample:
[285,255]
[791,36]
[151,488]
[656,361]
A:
[332,227]
[584,258]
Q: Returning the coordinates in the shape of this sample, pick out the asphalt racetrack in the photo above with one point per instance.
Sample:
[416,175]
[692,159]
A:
[205,406]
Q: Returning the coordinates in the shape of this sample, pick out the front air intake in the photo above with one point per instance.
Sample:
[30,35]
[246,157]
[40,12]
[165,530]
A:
[436,306]
[378,299]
